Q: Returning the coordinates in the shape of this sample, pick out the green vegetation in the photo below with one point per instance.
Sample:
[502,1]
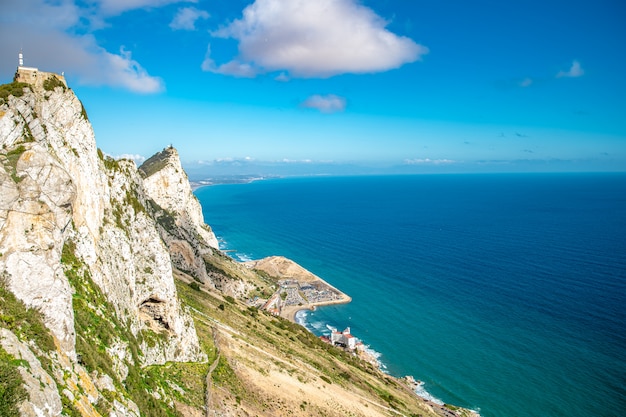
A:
[10,161]
[14,89]
[94,329]
[292,342]
[184,381]
[83,112]
[26,323]
[111,164]
[97,329]
[326,379]
[68,407]
[155,163]
[53,82]
[12,391]
[27,133]
[224,376]
[131,200]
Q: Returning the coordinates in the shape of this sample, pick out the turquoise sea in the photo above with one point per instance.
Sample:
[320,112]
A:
[503,293]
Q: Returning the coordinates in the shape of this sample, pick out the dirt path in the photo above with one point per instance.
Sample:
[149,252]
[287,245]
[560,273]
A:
[207,394]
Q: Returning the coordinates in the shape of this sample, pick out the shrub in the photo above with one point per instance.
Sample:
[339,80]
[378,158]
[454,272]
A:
[53,82]
[14,89]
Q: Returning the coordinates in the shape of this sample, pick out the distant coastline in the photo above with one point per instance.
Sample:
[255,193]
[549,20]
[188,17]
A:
[235,179]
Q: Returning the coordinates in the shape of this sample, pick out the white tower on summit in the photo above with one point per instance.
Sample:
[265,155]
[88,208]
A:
[20,59]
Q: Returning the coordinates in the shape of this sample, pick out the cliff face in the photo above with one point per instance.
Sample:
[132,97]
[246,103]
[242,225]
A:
[180,221]
[70,216]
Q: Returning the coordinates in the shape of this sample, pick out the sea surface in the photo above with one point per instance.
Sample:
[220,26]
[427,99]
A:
[505,293]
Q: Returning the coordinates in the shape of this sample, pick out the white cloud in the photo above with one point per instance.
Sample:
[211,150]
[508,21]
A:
[325,104]
[428,161]
[127,73]
[46,33]
[234,68]
[318,38]
[574,71]
[116,7]
[136,158]
[186,18]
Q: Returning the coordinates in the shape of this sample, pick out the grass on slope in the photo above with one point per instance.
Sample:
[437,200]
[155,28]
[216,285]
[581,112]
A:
[254,343]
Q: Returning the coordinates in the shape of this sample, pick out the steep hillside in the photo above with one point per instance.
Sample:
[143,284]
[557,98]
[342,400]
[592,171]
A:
[116,301]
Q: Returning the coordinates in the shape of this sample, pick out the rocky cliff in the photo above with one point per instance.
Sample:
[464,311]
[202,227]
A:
[71,218]
[116,301]
[181,221]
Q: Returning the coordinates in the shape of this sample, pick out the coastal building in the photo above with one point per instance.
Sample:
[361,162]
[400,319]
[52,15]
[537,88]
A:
[272,305]
[343,339]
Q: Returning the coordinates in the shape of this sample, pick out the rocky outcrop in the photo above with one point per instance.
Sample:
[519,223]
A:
[179,216]
[168,185]
[69,214]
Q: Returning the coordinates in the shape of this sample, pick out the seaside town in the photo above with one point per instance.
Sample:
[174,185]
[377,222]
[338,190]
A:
[294,295]
[300,295]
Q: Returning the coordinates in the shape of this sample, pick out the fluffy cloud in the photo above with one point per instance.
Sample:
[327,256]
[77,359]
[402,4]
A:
[326,104]
[47,31]
[186,18]
[127,73]
[318,38]
[574,71]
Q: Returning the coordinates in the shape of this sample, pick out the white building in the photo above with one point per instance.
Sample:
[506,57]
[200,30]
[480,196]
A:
[344,338]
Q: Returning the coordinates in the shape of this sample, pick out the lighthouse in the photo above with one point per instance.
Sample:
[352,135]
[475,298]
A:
[20,59]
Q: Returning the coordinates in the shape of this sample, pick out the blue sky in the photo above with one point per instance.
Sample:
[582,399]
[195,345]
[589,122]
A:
[340,85]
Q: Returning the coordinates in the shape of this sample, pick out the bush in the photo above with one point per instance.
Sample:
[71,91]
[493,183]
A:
[53,82]
[194,285]
[14,89]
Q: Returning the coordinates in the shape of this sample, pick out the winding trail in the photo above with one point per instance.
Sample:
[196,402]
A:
[208,380]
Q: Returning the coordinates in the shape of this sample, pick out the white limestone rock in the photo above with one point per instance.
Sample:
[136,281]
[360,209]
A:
[169,187]
[180,219]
